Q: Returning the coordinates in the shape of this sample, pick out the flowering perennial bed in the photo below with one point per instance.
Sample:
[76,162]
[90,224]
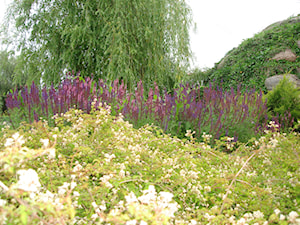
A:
[202,109]
[97,169]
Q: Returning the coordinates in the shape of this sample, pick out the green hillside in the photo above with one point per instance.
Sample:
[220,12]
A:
[251,62]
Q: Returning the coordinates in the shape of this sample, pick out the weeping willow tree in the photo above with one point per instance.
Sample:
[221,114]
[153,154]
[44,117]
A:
[7,67]
[133,40]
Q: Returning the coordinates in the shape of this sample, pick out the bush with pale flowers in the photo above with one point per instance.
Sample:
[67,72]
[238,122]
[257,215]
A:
[97,169]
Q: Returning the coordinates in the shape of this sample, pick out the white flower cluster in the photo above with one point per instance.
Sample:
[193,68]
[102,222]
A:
[273,125]
[292,218]
[28,180]
[229,143]
[49,150]
[189,134]
[248,217]
[109,157]
[15,153]
[206,137]
[150,205]
[15,140]
[105,180]
[77,167]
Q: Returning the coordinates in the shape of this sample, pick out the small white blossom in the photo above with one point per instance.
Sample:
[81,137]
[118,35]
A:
[73,185]
[149,195]
[193,222]
[18,139]
[9,142]
[207,188]
[102,206]
[32,195]
[109,157]
[242,221]
[131,198]
[193,174]
[292,217]
[94,216]
[131,222]
[46,197]
[94,204]
[209,217]
[77,168]
[97,211]
[28,180]
[16,136]
[182,173]
[105,179]
[170,209]
[143,223]
[165,196]
[122,173]
[51,153]
[248,216]
[63,189]
[232,219]
[273,142]
[258,214]
[206,137]
[2,202]
[45,142]
[282,217]
[277,211]
[76,194]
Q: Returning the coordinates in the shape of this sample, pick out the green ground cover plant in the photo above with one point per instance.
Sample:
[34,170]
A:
[97,169]
[250,63]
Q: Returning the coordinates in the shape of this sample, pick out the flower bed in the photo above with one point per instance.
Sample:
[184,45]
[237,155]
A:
[97,169]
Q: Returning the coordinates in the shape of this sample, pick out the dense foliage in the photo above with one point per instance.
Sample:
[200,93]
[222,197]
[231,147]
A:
[96,169]
[129,39]
[284,101]
[250,63]
[7,67]
[201,109]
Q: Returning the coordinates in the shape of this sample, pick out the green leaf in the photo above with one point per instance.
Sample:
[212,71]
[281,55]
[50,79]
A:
[23,215]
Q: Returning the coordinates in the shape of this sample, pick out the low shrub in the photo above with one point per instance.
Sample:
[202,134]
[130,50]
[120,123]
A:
[97,169]
[283,103]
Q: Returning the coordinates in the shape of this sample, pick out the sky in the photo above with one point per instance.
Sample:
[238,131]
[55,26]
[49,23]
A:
[224,24]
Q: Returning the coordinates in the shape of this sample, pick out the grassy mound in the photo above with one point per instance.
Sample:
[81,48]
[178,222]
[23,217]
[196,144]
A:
[97,169]
[251,62]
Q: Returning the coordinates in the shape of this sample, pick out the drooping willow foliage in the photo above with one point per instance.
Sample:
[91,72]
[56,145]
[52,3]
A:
[133,40]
